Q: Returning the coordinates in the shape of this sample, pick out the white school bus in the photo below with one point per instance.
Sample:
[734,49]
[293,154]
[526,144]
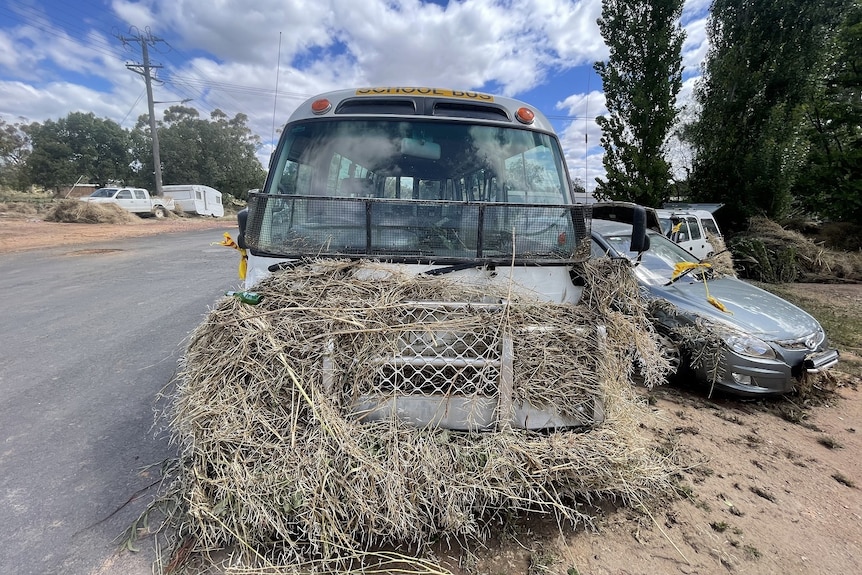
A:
[431,181]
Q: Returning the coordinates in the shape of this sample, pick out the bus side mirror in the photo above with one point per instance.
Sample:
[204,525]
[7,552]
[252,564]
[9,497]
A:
[640,241]
[241,220]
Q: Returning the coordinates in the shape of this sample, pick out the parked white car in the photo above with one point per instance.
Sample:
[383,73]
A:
[135,200]
[690,228]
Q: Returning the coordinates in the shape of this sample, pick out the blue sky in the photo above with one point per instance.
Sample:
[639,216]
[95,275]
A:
[62,56]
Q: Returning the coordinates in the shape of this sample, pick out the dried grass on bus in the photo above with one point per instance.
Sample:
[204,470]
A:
[273,467]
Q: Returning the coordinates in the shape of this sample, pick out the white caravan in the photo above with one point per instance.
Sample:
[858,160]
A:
[195,199]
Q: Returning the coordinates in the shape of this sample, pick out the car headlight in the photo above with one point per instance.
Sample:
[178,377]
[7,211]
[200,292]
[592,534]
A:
[750,346]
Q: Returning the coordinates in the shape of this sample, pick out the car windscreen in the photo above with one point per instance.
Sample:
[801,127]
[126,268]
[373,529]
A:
[104,193]
[656,264]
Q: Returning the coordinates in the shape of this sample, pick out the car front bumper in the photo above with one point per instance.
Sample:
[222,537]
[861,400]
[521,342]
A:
[755,377]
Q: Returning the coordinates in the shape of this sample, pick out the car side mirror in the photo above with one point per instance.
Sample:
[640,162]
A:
[640,242]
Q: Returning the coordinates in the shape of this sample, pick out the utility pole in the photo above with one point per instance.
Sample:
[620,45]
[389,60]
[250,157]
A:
[144,69]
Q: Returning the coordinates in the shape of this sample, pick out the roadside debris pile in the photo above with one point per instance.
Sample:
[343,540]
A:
[78,212]
[722,258]
[769,253]
[274,466]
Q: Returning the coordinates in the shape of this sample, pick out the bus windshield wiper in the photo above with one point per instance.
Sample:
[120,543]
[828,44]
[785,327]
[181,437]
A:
[454,268]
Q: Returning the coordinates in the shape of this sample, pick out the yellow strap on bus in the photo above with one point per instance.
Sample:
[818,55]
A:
[243,262]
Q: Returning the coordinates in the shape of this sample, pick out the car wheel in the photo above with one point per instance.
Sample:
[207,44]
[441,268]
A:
[673,353]
[160,212]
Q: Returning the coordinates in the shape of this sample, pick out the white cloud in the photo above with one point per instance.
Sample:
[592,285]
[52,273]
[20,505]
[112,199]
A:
[509,46]
[12,57]
[572,30]
[38,104]
[695,9]
[137,14]
[584,154]
[225,54]
[511,43]
[695,46]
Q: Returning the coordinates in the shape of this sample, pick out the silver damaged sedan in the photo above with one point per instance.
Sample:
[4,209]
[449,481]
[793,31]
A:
[758,344]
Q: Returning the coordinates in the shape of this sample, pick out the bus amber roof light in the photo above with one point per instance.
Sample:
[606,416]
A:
[321,106]
[525,115]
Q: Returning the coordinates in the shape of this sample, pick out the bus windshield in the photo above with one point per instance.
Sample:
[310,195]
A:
[419,160]
[417,191]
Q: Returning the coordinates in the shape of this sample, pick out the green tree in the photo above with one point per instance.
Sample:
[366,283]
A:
[14,150]
[748,144]
[832,184]
[641,80]
[233,154]
[78,145]
[219,152]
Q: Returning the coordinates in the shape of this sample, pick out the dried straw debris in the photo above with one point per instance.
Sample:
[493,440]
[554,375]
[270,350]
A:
[769,253]
[721,259]
[274,466]
[72,211]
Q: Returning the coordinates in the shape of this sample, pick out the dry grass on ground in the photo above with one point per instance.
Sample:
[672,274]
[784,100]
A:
[21,209]
[767,252]
[78,212]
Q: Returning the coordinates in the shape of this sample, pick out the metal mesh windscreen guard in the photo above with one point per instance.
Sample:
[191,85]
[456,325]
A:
[414,231]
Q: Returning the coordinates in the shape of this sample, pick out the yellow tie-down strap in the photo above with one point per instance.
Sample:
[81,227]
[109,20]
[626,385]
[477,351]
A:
[683,267]
[243,262]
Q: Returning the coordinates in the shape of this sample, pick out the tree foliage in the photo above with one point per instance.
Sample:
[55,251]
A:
[14,151]
[832,185]
[763,59]
[641,80]
[219,152]
[78,145]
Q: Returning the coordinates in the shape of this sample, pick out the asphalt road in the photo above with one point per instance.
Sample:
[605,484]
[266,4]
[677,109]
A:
[90,335]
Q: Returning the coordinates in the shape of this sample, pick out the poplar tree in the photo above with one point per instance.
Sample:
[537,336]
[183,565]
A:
[641,80]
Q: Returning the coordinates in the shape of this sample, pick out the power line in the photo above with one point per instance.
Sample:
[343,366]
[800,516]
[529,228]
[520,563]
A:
[189,62]
[31,18]
[144,91]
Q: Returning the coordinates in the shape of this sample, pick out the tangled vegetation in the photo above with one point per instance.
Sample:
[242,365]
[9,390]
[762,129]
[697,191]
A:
[769,253]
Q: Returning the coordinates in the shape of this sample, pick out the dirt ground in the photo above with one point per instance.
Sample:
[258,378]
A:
[769,487]
[22,234]
[762,495]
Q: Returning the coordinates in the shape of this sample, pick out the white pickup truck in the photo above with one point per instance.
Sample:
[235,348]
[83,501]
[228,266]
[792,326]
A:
[135,200]
[691,229]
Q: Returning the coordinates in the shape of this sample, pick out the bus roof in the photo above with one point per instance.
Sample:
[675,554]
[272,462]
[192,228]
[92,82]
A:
[435,103]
